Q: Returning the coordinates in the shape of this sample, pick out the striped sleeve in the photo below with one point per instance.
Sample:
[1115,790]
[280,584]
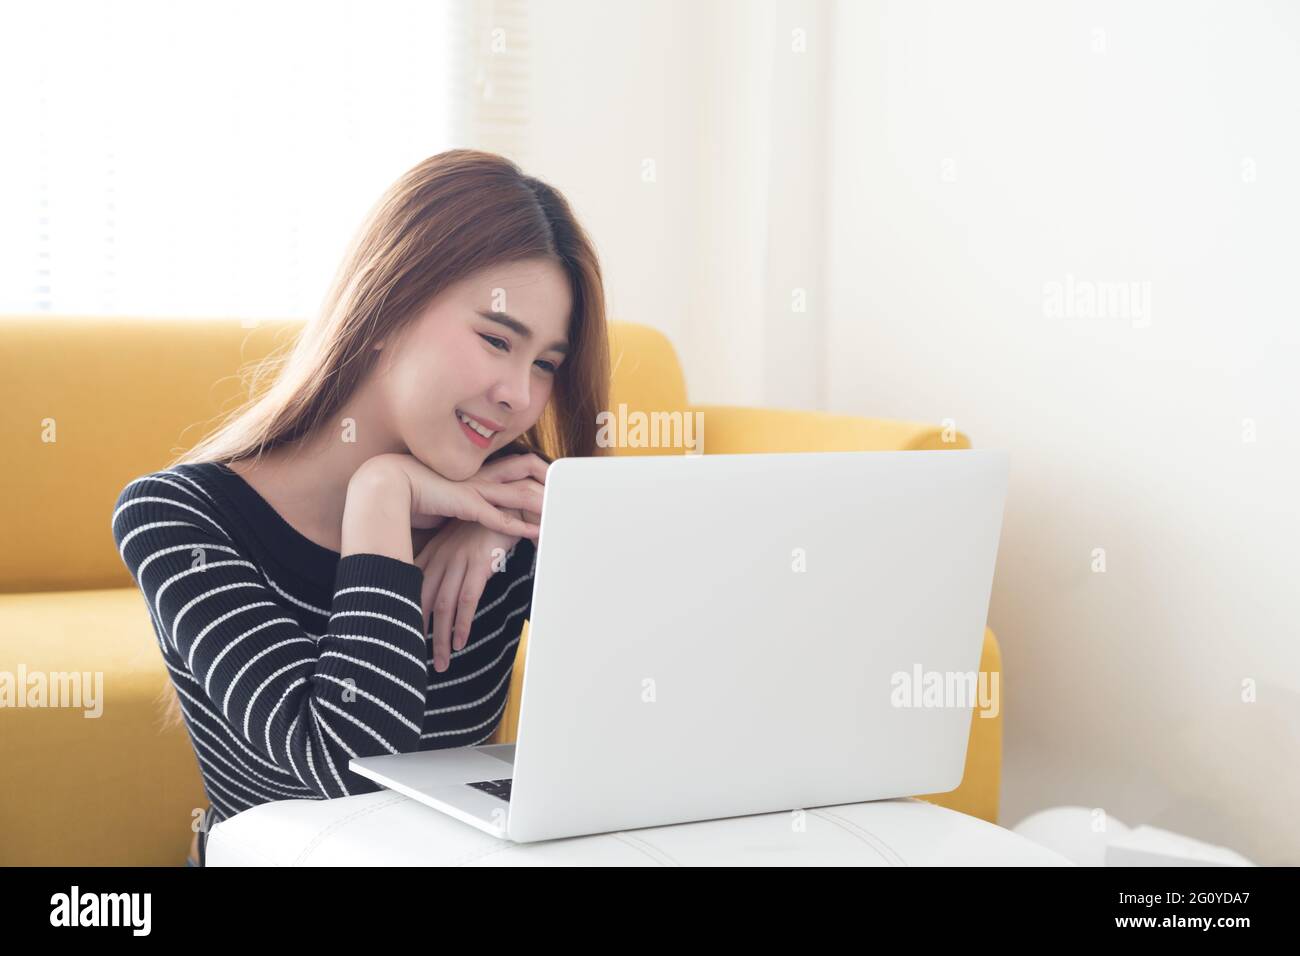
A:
[304,702]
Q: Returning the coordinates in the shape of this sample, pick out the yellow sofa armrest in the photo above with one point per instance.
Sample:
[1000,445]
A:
[507,731]
[737,429]
[980,789]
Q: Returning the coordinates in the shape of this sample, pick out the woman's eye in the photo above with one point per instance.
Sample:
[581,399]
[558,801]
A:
[550,367]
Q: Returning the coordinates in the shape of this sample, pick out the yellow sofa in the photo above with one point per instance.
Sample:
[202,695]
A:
[87,404]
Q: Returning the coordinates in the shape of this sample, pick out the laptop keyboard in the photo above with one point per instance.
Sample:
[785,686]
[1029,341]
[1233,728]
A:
[498,788]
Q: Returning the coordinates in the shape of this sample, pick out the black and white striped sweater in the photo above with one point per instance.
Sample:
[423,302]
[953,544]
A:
[289,659]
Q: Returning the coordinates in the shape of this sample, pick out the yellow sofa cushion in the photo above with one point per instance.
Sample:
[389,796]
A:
[106,790]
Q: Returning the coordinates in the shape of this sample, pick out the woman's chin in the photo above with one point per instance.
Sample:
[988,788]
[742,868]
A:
[455,467]
[441,466]
[463,467]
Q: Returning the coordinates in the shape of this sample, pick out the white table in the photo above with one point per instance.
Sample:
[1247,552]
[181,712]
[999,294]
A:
[389,829]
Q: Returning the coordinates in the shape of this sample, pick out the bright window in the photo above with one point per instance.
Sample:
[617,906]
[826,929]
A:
[212,159]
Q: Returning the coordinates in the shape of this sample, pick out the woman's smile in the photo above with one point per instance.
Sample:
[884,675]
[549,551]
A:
[474,431]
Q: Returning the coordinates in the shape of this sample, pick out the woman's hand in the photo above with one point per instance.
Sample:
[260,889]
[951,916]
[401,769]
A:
[493,501]
[457,563]
[527,469]
[459,559]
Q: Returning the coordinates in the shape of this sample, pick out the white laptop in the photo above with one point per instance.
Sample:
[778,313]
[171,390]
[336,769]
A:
[722,635]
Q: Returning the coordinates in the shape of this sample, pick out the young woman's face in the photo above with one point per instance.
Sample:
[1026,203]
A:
[488,347]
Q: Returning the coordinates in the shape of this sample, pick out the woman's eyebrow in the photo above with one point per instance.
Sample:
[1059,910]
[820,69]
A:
[519,328]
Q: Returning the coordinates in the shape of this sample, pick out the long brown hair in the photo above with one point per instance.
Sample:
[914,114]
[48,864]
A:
[447,218]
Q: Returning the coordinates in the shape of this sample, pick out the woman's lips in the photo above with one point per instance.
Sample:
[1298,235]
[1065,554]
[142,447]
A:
[487,423]
[472,435]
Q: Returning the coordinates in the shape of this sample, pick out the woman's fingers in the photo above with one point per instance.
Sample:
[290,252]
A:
[455,607]
[444,611]
[433,572]
[525,494]
[515,467]
[469,504]
[497,520]
[471,590]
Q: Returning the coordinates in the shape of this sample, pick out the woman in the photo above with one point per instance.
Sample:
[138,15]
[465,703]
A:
[343,567]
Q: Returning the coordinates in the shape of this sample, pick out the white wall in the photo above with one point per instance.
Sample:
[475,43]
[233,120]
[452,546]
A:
[601,105]
[728,112]
[1124,155]
[982,151]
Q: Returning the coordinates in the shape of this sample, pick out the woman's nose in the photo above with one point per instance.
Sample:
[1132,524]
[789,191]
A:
[512,392]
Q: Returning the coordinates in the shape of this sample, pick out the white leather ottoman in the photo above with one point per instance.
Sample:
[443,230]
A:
[389,829]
